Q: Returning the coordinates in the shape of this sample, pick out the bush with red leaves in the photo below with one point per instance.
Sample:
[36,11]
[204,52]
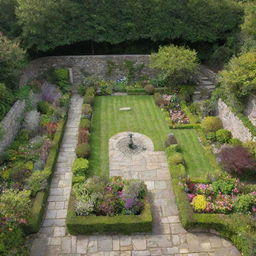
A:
[237,160]
[83,136]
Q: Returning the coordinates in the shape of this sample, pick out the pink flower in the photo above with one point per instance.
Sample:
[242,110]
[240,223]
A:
[254,209]
[190,196]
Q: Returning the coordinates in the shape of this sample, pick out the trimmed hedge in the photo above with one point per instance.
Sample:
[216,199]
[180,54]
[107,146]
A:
[38,203]
[136,91]
[241,233]
[124,224]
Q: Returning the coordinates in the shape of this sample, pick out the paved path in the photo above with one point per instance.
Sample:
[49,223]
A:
[168,236]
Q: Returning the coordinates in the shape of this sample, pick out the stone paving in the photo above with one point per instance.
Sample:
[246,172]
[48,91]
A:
[168,236]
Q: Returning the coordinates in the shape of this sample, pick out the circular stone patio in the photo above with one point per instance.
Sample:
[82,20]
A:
[168,236]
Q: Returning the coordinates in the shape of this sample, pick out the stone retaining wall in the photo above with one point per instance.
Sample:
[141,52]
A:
[250,110]
[232,123]
[111,66]
[11,124]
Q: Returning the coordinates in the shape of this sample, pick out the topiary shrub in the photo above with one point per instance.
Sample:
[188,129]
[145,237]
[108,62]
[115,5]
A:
[90,91]
[83,136]
[175,159]
[199,203]
[158,99]
[211,136]
[87,110]
[149,89]
[80,167]
[85,123]
[83,150]
[223,136]
[211,124]
[237,160]
[89,99]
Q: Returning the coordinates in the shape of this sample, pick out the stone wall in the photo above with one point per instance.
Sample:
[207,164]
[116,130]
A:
[107,66]
[232,123]
[11,124]
[250,110]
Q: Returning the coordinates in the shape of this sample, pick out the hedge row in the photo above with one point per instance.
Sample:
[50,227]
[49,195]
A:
[38,203]
[240,229]
[141,91]
[124,224]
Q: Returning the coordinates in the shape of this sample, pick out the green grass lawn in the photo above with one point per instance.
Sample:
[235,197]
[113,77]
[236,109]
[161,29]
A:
[199,162]
[145,117]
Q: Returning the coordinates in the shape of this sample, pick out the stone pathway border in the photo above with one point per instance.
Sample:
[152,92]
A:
[168,236]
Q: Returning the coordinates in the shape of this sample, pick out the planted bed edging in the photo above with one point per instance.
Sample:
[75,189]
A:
[122,224]
[38,203]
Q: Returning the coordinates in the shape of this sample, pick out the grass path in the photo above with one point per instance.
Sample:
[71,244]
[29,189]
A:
[145,117]
[199,164]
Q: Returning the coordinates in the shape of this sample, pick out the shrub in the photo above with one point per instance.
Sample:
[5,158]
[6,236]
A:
[211,124]
[172,149]
[224,186]
[6,100]
[44,107]
[170,140]
[61,77]
[158,99]
[149,89]
[87,110]
[89,99]
[176,64]
[223,136]
[32,121]
[90,91]
[80,166]
[85,123]
[251,147]
[175,159]
[244,203]
[237,160]
[83,150]
[211,136]
[64,100]
[235,142]
[83,136]
[37,181]
[50,92]
[199,203]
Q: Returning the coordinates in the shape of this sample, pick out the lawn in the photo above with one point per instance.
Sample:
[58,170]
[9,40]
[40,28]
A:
[145,117]
[198,161]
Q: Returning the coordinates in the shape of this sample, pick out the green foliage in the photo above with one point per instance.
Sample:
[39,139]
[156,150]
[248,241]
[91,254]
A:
[6,100]
[211,136]
[61,77]
[244,203]
[83,150]
[85,123]
[223,136]
[248,26]
[44,107]
[12,60]
[176,64]
[199,203]
[89,99]
[80,167]
[37,181]
[172,149]
[223,185]
[251,146]
[238,80]
[175,159]
[211,124]
[235,141]
[64,100]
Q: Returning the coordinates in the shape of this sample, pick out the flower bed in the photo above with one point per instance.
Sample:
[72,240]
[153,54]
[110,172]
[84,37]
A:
[109,206]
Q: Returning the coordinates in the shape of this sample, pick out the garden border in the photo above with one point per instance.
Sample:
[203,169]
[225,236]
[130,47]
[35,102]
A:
[38,204]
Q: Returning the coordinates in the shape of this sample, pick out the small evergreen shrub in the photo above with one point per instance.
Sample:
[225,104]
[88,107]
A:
[170,140]
[172,149]
[90,91]
[87,110]
[85,123]
[235,142]
[223,136]
[61,76]
[175,159]
[80,166]
[83,150]
[223,185]
[149,89]
[211,124]
[89,100]
[211,137]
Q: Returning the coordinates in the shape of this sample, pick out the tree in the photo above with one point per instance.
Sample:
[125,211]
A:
[239,77]
[12,60]
[176,64]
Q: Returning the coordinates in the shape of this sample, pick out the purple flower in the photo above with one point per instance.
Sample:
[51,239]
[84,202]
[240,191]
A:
[129,202]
